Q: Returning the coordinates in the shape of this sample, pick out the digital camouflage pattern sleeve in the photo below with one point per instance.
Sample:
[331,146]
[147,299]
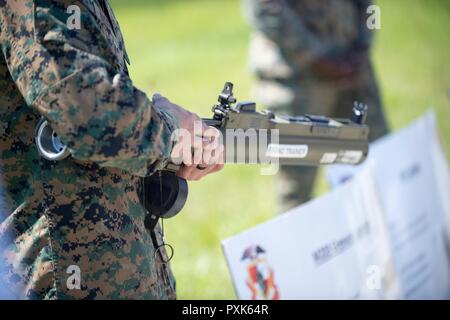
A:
[75,229]
[73,78]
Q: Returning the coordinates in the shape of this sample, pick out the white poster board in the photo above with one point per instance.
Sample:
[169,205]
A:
[334,247]
[382,233]
[412,178]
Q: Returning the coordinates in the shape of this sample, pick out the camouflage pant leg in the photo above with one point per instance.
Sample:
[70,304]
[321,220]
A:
[295,184]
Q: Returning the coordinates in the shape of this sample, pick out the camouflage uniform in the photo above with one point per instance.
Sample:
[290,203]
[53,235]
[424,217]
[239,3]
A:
[289,36]
[85,211]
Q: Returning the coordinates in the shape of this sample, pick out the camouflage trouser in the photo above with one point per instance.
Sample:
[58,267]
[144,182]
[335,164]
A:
[312,96]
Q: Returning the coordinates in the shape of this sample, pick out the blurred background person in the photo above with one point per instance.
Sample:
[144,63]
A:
[312,57]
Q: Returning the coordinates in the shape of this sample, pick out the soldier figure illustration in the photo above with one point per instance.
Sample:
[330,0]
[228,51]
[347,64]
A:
[312,57]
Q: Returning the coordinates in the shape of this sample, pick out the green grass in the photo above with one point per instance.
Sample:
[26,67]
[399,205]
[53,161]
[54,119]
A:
[186,50]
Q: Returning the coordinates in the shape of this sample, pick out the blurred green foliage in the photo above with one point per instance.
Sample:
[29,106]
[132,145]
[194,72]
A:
[186,50]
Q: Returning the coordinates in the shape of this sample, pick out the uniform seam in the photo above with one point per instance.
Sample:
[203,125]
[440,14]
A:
[50,223]
[57,281]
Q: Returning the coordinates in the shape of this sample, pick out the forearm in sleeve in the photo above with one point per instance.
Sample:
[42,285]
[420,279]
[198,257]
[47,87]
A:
[69,77]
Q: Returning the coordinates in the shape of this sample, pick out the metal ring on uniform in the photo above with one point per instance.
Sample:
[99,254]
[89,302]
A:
[49,146]
[159,252]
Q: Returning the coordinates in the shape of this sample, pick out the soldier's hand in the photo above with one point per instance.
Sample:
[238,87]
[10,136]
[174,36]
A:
[198,148]
[186,119]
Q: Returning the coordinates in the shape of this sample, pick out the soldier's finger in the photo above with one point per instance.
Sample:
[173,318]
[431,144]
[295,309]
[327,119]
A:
[217,155]
[197,155]
[198,174]
[209,150]
[186,157]
[211,132]
[216,168]
[207,155]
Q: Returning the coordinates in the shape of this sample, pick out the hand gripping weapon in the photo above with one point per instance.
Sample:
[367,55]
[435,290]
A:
[248,136]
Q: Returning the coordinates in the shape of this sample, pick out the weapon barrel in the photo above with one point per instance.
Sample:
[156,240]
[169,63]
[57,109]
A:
[296,143]
[260,147]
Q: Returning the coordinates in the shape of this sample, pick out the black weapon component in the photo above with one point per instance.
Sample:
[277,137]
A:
[164,194]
